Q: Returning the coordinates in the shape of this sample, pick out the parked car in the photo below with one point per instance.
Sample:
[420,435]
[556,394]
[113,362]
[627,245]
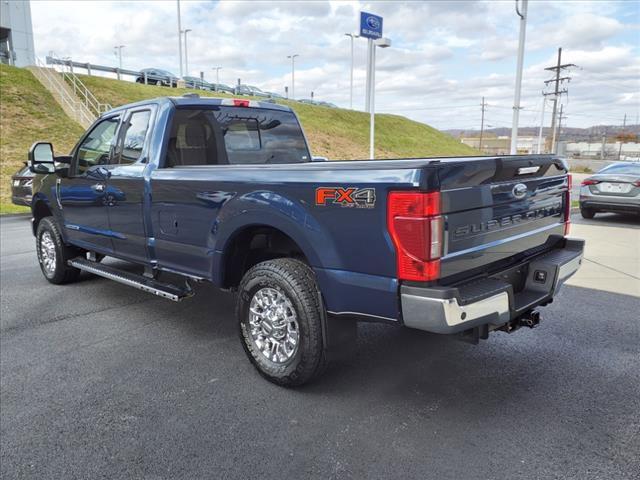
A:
[447,245]
[223,87]
[156,76]
[276,96]
[615,188]
[250,90]
[21,185]
[308,101]
[328,104]
[197,83]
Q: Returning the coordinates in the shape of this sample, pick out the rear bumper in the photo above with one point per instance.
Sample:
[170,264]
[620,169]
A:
[491,300]
[609,203]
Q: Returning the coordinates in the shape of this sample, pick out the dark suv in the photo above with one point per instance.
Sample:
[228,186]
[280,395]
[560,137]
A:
[21,183]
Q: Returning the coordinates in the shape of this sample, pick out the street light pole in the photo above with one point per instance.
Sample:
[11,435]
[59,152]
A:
[217,69]
[371,93]
[516,101]
[293,75]
[119,49]
[186,55]
[352,36]
[179,37]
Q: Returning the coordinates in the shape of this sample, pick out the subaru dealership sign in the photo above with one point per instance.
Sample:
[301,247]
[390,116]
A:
[370,25]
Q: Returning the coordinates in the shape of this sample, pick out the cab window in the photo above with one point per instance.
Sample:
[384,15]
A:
[95,149]
[135,134]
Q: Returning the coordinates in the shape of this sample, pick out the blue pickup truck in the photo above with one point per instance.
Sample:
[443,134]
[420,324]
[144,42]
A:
[189,189]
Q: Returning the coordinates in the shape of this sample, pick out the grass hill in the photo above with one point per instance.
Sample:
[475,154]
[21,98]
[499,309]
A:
[333,132]
[28,113]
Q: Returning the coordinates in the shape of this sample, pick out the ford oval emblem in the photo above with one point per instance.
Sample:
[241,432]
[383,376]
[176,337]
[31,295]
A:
[520,190]
[373,23]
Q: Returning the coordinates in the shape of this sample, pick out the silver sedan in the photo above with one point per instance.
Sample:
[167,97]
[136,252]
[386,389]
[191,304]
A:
[615,188]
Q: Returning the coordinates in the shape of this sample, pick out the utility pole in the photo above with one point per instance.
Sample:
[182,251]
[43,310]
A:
[544,103]
[352,36]
[604,142]
[293,75]
[516,100]
[179,38]
[560,118]
[482,105]
[558,68]
[624,125]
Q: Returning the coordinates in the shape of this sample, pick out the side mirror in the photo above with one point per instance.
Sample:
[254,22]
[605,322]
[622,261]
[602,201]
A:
[41,158]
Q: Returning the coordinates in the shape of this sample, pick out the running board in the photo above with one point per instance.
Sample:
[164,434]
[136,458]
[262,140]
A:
[165,290]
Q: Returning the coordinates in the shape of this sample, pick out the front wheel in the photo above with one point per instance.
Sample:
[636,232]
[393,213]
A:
[587,213]
[279,312]
[53,254]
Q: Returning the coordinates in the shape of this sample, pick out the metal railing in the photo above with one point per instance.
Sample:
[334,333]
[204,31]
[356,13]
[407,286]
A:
[70,103]
[81,91]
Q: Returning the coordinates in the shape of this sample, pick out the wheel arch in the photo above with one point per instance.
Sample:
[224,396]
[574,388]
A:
[252,244]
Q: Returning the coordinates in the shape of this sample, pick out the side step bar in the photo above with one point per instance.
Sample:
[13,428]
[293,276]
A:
[165,290]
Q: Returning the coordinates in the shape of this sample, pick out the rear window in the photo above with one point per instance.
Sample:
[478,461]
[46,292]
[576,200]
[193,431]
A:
[235,135]
[623,169]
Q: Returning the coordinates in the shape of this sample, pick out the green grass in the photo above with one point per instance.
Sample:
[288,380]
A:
[333,133]
[8,207]
[28,113]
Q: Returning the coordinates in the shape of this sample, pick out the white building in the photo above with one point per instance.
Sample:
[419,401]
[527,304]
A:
[628,151]
[16,33]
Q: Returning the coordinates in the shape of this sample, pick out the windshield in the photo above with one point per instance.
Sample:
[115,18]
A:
[622,168]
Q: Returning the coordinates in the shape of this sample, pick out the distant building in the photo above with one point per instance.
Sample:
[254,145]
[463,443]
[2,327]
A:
[16,33]
[629,150]
[502,145]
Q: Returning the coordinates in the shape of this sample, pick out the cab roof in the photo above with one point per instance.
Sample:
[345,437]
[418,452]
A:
[194,100]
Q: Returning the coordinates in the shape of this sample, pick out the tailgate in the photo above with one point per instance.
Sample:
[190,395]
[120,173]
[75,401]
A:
[496,209]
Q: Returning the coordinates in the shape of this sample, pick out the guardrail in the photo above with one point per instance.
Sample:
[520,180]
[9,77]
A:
[70,64]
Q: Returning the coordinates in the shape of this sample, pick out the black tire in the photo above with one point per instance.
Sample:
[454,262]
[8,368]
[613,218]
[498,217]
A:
[296,282]
[58,272]
[587,213]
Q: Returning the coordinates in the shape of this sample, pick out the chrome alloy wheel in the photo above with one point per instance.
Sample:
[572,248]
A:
[273,325]
[48,253]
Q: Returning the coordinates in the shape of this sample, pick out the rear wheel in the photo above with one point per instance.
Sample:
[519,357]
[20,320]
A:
[53,254]
[279,312]
[587,213]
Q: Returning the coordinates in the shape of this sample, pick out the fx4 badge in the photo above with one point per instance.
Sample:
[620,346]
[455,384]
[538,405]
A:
[346,197]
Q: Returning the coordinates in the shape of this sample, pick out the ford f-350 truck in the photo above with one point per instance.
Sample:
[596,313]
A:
[226,191]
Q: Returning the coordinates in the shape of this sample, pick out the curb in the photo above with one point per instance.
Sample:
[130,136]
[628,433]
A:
[15,215]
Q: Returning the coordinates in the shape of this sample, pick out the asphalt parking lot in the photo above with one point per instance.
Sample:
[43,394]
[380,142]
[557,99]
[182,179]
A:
[102,381]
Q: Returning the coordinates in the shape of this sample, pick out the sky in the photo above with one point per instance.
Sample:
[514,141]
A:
[445,55]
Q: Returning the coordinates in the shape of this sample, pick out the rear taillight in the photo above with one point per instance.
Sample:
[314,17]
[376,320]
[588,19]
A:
[589,182]
[567,206]
[416,228]
[636,184]
[237,102]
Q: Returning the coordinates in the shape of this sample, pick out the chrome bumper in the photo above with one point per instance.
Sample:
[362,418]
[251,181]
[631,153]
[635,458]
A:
[490,300]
